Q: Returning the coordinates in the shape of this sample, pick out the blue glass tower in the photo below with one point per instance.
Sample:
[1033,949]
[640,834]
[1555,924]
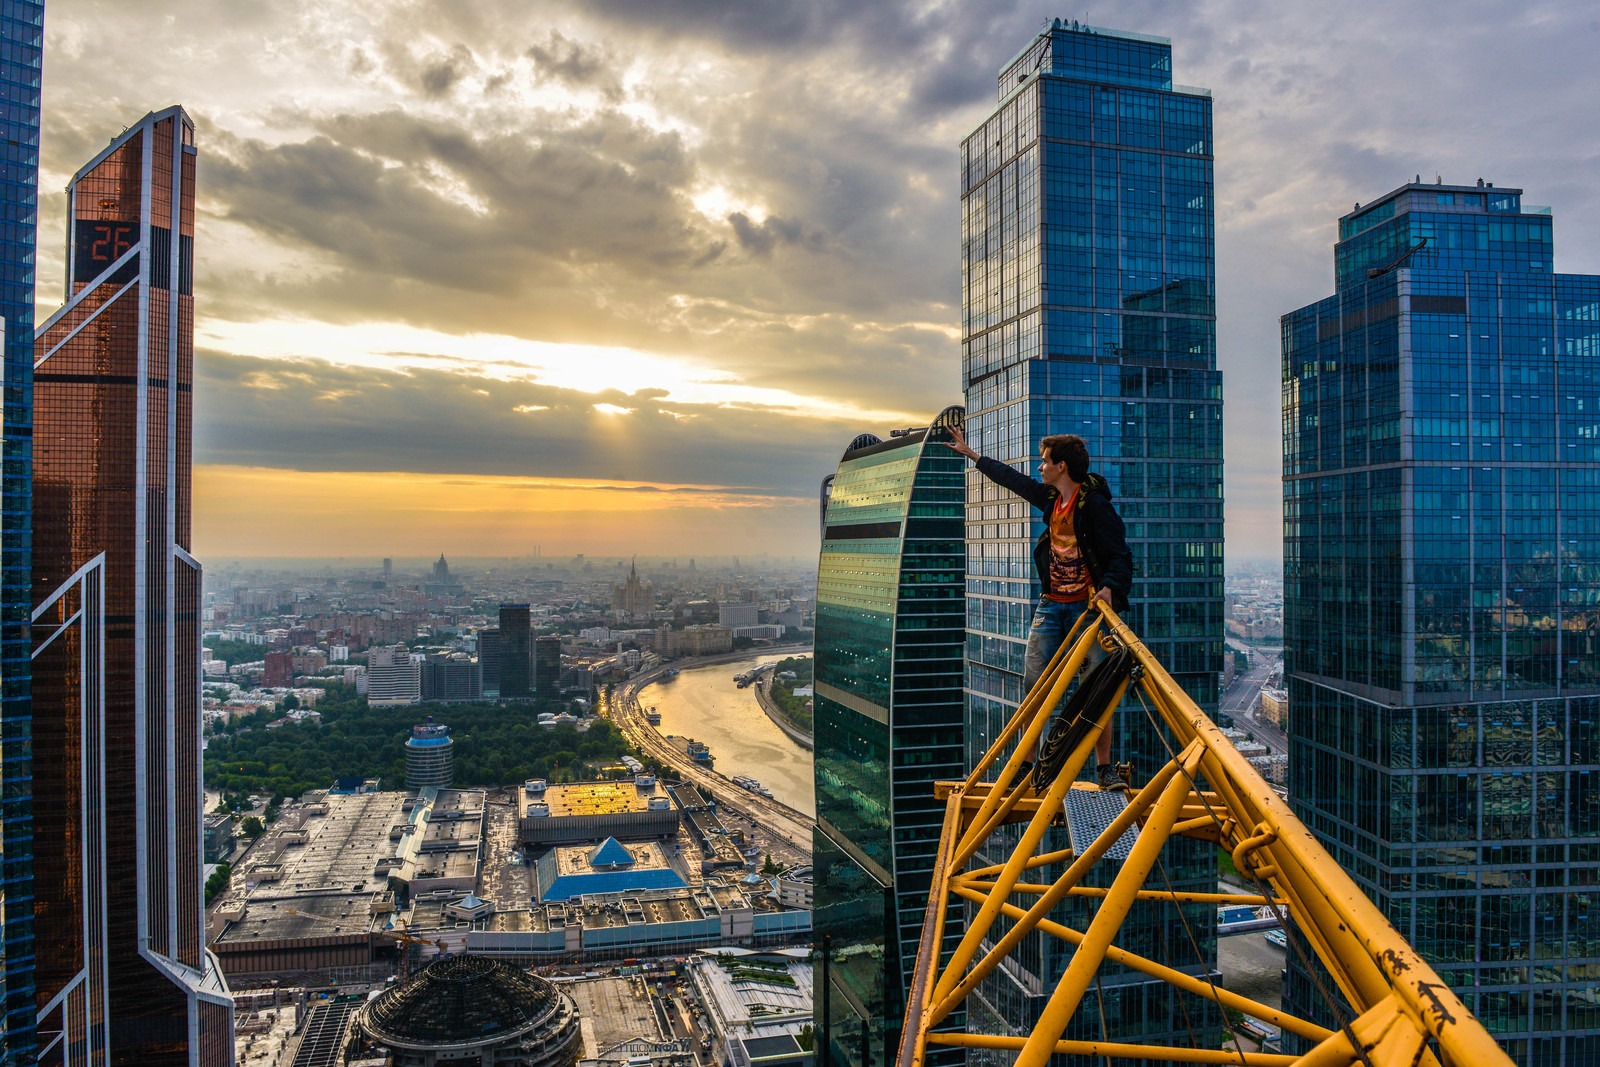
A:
[1442,599]
[21,33]
[1087,271]
[888,714]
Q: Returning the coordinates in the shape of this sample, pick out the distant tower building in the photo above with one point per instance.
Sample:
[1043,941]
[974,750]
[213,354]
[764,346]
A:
[888,725]
[547,667]
[489,659]
[121,968]
[514,651]
[442,584]
[279,670]
[451,676]
[633,597]
[20,61]
[393,677]
[428,757]
[388,568]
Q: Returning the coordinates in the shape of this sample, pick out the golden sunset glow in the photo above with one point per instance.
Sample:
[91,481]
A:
[258,511]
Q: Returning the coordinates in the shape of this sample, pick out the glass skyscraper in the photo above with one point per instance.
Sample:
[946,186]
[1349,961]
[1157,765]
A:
[1088,296]
[514,652]
[888,724]
[1442,599]
[22,37]
[122,969]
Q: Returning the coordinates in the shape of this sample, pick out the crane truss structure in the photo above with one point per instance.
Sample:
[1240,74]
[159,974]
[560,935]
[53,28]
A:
[1403,1012]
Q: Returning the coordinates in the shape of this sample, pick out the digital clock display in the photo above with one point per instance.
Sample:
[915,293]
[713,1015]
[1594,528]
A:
[100,243]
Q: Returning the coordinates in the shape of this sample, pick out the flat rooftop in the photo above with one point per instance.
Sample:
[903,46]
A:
[345,915]
[613,1010]
[592,798]
[443,836]
[324,887]
[744,986]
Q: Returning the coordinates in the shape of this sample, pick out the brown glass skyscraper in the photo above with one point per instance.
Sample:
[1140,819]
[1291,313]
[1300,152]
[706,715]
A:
[123,974]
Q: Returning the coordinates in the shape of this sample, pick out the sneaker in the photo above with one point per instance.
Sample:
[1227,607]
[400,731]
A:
[1108,777]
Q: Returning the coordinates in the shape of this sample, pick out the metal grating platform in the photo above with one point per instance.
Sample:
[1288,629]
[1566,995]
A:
[1089,812]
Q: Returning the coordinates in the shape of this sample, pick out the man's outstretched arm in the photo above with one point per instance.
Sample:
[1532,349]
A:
[1036,493]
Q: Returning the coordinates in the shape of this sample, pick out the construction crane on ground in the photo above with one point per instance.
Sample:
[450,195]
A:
[407,939]
[1396,1010]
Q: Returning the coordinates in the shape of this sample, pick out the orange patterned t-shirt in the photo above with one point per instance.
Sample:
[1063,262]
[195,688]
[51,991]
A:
[1069,574]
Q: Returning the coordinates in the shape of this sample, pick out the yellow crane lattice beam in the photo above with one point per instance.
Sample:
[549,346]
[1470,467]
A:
[1404,1014]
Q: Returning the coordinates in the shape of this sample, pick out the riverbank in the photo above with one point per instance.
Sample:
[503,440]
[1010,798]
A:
[779,719]
[709,706]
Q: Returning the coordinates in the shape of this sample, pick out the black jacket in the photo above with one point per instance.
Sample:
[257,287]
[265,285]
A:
[1095,522]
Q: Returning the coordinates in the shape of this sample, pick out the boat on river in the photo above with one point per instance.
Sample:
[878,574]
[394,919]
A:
[1240,918]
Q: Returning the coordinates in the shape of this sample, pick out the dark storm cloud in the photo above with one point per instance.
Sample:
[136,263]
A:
[373,191]
[313,415]
[772,230]
[441,73]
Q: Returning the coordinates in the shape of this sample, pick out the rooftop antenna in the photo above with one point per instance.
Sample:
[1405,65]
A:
[1438,180]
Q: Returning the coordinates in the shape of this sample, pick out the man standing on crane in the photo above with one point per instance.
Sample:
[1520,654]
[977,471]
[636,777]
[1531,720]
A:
[1082,553]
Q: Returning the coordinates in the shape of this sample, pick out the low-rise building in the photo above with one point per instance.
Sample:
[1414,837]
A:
[218,837]
[593,811]
[1275,707]
[763,632]
[793,887]
[757,1003]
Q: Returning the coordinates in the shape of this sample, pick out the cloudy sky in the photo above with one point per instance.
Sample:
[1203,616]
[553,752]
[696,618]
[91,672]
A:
[625,275]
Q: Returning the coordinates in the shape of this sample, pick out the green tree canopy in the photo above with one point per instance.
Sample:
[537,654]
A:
[495,745]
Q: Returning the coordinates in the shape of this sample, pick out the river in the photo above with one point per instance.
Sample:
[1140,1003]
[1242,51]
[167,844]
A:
[705,704]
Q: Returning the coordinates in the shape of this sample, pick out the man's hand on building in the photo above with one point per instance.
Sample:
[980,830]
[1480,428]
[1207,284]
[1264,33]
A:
[958,442]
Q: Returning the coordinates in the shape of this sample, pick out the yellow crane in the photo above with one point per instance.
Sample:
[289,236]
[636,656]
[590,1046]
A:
[407,939]
[1404,1015]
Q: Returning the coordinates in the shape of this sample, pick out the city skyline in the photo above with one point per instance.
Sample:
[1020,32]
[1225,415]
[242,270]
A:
[757,259]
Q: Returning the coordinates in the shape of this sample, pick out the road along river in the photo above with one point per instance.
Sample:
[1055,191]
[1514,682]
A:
[706,704]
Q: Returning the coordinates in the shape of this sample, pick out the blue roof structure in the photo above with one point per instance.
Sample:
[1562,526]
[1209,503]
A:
[610,853]
[622,881]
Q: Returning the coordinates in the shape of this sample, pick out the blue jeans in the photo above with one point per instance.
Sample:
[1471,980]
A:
[1052,621]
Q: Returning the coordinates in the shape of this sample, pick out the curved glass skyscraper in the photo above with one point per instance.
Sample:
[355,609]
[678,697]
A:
[888,724]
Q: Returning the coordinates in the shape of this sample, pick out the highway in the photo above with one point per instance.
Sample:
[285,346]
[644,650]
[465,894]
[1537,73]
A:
[779,820]
[1239,699]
